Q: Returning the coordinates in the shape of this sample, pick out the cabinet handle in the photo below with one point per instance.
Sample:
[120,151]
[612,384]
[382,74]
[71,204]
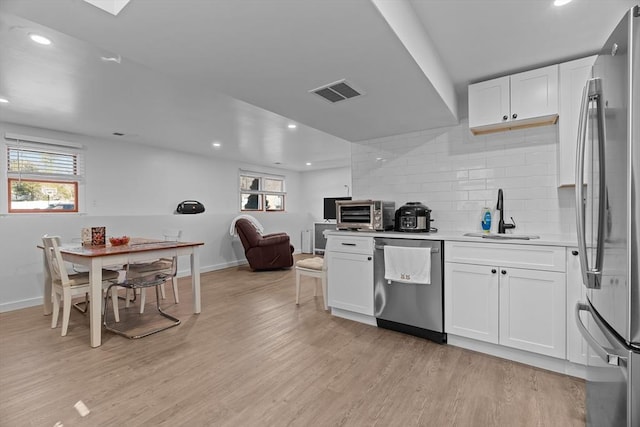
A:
[493,270]
[574,253]
[504,272]
[515,116]
[368,258]
[505,117]
[348,244]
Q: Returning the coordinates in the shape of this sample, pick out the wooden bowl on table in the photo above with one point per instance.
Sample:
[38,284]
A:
[119,241]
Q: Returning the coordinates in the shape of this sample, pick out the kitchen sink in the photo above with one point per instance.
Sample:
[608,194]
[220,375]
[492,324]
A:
[503,236]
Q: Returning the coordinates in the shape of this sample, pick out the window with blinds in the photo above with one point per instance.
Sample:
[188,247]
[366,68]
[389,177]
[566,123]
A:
[261,192]
[43,177]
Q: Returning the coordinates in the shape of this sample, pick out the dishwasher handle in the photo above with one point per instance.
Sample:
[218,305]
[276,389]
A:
[433,250]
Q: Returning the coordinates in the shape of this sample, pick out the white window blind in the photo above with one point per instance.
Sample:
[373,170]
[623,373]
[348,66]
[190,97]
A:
[36,160]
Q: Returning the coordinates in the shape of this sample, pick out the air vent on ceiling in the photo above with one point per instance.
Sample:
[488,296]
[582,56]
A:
[337,91]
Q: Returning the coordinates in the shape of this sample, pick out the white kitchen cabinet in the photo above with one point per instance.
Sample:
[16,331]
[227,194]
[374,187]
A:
[471,301]
[489,102]
[521,100]
[350,273]
[512,295]
[532,311]
[573,76]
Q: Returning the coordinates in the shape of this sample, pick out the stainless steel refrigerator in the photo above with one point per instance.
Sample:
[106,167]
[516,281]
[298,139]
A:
[608,226]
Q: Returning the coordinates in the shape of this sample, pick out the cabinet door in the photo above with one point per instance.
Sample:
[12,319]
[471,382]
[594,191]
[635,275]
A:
[534,93]
[471,301]
[533,311]
[350,282]
[573,76]
[489,102]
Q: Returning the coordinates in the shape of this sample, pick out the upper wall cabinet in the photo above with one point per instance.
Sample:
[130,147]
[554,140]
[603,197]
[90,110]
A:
[573,76]
[521,100]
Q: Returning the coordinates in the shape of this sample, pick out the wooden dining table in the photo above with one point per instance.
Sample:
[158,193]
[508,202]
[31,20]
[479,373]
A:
[95,258]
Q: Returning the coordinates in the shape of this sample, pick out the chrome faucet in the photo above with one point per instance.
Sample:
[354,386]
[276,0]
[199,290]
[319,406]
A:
[502,226]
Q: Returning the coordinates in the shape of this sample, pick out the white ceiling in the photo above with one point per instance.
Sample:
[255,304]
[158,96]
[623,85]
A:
[192,72]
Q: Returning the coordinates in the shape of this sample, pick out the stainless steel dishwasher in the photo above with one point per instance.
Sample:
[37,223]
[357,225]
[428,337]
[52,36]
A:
[416,309]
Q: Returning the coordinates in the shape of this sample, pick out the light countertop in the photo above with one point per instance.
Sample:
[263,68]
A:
[459,236]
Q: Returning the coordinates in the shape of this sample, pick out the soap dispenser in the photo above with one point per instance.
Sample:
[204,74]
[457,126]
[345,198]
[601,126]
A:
[486,220]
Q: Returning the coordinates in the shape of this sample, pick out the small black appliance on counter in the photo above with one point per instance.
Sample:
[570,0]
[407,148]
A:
[413,217]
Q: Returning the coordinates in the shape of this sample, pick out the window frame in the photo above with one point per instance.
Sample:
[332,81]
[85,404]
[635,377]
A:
[42,181]
[261,193]
[75,177]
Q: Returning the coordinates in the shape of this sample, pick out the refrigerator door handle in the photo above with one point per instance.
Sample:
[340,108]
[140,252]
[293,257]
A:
[608,355]
[592,92]
[580,200]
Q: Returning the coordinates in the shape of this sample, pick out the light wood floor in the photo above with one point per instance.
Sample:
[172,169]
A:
[253,358]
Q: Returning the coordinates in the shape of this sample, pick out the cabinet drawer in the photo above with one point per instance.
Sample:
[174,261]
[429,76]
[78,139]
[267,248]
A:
[549,258]
[350,244]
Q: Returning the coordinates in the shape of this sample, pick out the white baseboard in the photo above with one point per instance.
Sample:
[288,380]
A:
[538,360]
[17,305]
[213,267]
[31,302]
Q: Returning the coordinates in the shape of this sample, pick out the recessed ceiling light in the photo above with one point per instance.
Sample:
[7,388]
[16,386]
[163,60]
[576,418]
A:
[292,126]
[308,163]
[216,144]
[4,101]
[561,2]
[39,39]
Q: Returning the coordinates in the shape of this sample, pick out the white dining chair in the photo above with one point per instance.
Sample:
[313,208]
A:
[165,266]
[313,267]
[65,285]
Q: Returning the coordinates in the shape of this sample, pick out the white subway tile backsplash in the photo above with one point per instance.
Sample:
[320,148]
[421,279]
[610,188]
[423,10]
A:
[546,204]
[539,169]
[456,174]
[540,157]
[542,181]
[473,184]
[469,163]
[436,206]
[437,186]
[525,193]
[407,187]
[448,195]
[470,205]
[504,159]
[483,195]
[506,182]
[511,204]
[486,173]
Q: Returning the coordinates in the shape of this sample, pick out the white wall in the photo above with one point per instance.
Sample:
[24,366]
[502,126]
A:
[133,189]
[456,173]
[319,184]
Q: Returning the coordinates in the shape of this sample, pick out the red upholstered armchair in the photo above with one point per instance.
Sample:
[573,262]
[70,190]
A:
[264,252]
